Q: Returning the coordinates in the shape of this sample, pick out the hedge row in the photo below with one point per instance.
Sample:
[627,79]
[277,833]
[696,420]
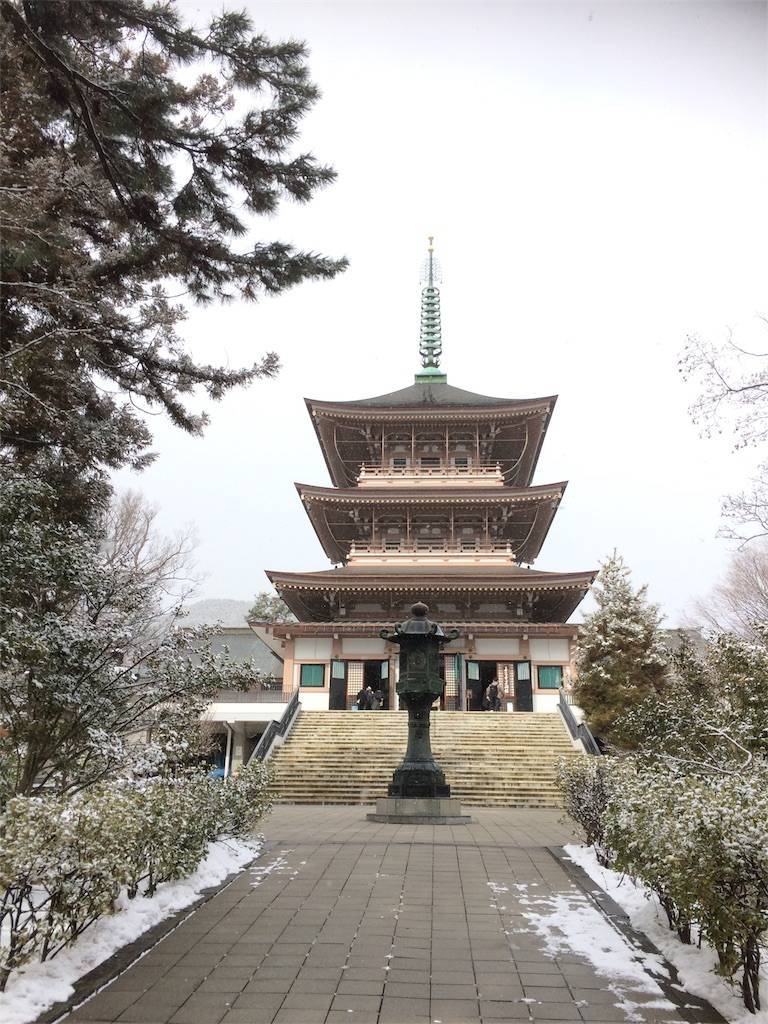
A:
[65,861]
[699,843]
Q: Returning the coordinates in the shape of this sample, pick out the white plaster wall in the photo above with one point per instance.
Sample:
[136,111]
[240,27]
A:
[307,649]
[363,645]
[313,701]
[498,646]
[549,650]
[242,712]
[546,701]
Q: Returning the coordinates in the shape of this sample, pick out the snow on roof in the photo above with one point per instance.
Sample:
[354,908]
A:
[216,610]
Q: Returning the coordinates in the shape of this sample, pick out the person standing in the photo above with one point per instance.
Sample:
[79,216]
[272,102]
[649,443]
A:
[494,700]
[361,699]
[378,699]
[368,699]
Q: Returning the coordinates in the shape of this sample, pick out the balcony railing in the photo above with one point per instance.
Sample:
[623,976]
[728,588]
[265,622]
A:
[431,547]
[483,470]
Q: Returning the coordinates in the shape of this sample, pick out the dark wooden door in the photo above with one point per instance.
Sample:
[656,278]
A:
[523,686]
[337,697]
[474,687]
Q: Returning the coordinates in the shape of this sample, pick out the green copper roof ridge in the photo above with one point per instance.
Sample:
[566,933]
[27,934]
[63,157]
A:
[430,334]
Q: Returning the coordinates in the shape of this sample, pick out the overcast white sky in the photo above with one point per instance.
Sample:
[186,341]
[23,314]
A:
[595,176]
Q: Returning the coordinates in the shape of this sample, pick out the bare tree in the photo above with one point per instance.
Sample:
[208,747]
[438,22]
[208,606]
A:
[734,396]
[132,539]
[740,600]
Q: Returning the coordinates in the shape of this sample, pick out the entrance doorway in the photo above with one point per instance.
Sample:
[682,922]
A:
[376,675]
[480,675]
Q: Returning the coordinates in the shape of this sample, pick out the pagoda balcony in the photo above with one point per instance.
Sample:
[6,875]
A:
[483,474]
[421,552]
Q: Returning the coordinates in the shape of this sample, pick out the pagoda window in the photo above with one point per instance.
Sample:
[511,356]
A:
[400,462]
[430,461]
[550,677]
[312,675]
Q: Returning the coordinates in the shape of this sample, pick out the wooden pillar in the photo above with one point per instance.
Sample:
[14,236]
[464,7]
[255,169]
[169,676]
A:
[413,444]
[408,525]
[477,442]
[446,445]
[453,528]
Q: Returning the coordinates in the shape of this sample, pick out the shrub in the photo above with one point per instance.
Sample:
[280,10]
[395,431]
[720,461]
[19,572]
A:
[700,843]
[65,860]
[585,784]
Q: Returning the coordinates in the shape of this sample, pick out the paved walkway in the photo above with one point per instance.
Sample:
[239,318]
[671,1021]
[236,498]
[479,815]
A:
[342,921]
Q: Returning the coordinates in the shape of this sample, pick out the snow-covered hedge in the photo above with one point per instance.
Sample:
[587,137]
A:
[585,785]
[65,860]
[698,842]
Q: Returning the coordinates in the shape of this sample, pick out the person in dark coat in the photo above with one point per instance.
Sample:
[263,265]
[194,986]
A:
[378,700]
[494,697]
[361,700]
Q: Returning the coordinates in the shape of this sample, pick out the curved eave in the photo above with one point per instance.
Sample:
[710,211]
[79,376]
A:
[436,578]
[491,410]
[343,496]
[325,415]
[318,501]
[316,597]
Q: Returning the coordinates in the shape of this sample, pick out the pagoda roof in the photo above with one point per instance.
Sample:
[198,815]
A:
[527,512]
[344,428]
[285,630]
[354,576]
[313,596]
[431,495]
[431,396]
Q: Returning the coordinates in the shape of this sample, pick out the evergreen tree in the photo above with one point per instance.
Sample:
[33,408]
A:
[621,657]
[269,607]
[89,655]
[131,146]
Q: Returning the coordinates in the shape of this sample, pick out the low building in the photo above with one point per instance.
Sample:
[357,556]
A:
[237,718]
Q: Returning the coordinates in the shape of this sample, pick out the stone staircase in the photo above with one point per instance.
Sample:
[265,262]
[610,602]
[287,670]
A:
[489,760]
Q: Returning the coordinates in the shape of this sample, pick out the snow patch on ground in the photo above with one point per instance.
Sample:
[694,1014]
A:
[695,966]
[37,986]
[569,922]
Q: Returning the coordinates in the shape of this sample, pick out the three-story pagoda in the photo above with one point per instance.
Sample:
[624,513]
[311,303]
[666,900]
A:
[432,500]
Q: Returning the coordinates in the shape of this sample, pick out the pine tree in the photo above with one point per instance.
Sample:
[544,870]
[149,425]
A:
[269,607]
[132,148]
[621,657]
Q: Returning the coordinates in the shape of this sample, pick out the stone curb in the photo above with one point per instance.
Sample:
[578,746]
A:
[111,968]
[690,1007]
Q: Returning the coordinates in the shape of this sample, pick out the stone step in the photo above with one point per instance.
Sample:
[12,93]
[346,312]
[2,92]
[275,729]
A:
[343,757]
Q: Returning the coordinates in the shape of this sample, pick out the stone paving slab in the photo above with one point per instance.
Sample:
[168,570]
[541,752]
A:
[348,920]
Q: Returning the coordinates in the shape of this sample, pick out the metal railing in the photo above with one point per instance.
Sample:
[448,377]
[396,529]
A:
[578,730]
[263,748]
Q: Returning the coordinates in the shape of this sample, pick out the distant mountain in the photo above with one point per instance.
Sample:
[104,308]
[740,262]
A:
[222,610]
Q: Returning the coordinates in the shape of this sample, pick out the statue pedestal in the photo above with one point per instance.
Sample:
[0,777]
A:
[419,811]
